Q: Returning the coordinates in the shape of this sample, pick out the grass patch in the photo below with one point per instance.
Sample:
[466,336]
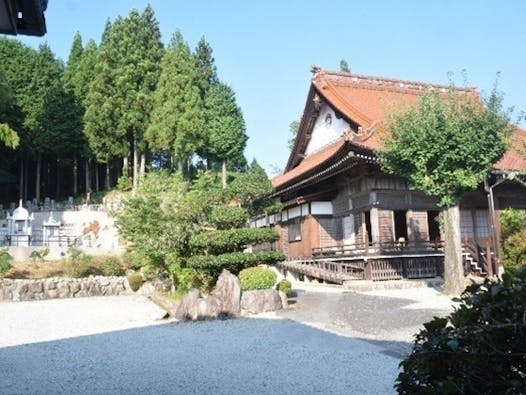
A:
[81,266]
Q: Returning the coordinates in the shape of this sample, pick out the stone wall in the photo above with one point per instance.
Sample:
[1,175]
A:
[53,288]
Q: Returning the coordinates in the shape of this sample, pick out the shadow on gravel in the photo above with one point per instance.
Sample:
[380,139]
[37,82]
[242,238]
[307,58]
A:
[242,356]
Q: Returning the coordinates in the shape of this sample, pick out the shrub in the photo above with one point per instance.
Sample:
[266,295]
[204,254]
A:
[78,264]
[479,348]
[514,250]
[135,281]
[124,184]
[285,286]
[110,266]
[5,261]
[257,278]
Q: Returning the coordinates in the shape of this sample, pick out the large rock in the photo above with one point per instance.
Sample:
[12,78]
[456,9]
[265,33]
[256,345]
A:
[228,291]
[260,301]
[187,307]
[208,308]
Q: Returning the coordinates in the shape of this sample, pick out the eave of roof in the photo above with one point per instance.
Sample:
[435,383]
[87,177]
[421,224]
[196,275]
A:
[309,163]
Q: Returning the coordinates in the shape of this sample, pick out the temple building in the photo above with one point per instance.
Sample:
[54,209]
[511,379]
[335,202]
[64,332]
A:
[344,218]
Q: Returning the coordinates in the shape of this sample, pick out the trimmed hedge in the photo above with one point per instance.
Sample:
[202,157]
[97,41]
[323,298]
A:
[135,281]
[257,278]
[234,262]
[225,241]
[285,286]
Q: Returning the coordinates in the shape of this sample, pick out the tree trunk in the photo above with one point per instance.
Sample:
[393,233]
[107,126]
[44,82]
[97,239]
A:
[97,185]
[26,178]
[37,177]
[107,177]
[58,185]
[135,176]
[223,173]
[453,268]
[21,181]
[88,180]
[125,167]
[142,167]
[75,176]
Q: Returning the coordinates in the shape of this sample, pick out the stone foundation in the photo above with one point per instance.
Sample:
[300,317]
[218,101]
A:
[56,288]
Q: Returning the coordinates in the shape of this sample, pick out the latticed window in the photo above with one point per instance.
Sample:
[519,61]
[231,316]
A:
[294,229]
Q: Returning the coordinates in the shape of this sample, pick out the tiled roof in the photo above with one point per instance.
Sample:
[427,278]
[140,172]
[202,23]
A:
[369,100]
[309,163]
[515,156]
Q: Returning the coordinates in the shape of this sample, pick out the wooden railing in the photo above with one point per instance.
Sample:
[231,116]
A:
[375,249]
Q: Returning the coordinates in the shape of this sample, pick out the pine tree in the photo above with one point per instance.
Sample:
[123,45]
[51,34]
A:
[226,126]
[206,69]
[100,117]
[177,122]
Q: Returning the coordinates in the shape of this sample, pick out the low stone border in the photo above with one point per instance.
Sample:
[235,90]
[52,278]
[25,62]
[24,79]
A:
[58,287]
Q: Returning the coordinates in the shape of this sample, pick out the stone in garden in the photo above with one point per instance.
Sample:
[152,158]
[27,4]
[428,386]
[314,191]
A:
[284,299]
[207,308]
[187,304]
[260,301]
[228,290]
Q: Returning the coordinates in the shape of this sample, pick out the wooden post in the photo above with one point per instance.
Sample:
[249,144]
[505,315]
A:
[368,270]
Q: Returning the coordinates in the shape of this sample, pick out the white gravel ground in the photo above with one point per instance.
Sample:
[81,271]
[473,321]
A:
[114,345]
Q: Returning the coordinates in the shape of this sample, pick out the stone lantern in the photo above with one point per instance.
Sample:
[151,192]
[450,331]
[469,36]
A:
[19,227]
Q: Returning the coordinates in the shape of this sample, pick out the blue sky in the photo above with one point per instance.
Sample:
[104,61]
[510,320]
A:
[265,49]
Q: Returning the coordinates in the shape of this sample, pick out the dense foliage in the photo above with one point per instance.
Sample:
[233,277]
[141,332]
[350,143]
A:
[115,110]
[513,238]
[257,278]
[5,261]
[445,146]
[478,349]
[175,226]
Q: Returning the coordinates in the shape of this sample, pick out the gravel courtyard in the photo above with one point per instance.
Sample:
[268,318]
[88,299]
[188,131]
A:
[328,342]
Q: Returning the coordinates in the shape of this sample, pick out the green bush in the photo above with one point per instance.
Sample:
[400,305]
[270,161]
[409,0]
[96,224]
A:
[285,286]
[110,266]
[478,349]
[135,281]
[257,278]
[124,184]
[514,250]
[78,264]
[5,261]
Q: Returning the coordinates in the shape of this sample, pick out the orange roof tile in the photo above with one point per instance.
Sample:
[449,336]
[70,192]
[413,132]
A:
[515,156]
[310,162]
[368,101]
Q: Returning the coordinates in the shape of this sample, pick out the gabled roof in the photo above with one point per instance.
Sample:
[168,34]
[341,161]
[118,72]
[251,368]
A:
[366,101]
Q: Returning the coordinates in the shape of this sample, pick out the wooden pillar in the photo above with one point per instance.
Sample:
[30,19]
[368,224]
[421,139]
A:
[368,270]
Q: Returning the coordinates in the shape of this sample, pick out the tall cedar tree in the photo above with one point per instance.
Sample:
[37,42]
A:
[74,85]
[16,63]
[207,77]
[177,121]
[206,69]
[101,116]
[49,117]
[140,51]
[445,147]
[120,97]
[226,127]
